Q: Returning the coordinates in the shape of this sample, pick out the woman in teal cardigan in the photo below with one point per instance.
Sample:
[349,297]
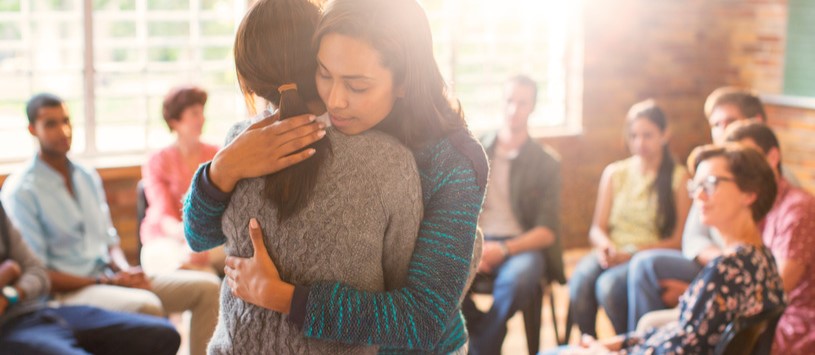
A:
[424,315]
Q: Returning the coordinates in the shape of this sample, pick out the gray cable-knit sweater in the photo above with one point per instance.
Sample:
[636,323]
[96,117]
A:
[359,228]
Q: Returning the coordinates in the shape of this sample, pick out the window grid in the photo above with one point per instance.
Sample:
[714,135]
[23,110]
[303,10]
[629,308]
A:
[132,68]
[140,48]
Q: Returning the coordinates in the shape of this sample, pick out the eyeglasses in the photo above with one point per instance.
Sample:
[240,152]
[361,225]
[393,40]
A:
[708,184]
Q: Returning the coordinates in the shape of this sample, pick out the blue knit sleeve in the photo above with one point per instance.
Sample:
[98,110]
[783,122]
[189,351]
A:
[205,204]
[425,314]
[202,212]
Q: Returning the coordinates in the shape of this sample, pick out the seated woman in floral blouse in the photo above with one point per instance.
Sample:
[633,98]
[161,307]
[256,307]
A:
[735,187]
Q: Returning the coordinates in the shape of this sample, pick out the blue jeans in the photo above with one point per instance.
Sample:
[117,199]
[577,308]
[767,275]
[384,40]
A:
[590,286]
[647,269]
[516,282]
[87,330]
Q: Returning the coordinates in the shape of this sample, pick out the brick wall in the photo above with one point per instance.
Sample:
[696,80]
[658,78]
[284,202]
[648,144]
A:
[676,51]
[120,188]
[795,127]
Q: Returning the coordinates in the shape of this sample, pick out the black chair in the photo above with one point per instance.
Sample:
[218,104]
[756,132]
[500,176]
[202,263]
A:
[141,209]
[750,335]
[532,314]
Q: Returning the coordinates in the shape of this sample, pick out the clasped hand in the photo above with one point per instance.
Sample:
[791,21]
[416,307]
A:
[256,279]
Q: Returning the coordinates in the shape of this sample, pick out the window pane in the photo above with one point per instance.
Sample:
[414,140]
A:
[116,55]
[217,54]
[480,45]
[16,87]
[10,31]
[119,109]
[10,5]
[169,54]
[67,85]
[217,28]
[114,4]
[223,6]
[168,29]
[55,5]
[112,137]
[114,29]
[168,5]
[142,49]
[13,131]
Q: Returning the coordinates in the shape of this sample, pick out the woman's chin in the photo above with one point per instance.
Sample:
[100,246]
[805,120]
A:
[707,220]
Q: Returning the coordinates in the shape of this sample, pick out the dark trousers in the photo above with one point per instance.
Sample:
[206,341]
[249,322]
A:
[87,330]
[516,282]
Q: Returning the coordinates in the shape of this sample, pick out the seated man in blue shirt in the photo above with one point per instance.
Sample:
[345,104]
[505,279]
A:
[27,326]
[61,211]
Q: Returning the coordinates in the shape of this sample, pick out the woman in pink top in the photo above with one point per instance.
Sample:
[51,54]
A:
[166,177]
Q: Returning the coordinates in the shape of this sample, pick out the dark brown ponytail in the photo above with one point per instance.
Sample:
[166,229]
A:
[290,189]
[274,60]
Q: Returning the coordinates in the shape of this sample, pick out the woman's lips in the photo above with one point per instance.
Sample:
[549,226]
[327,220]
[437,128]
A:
[339,121]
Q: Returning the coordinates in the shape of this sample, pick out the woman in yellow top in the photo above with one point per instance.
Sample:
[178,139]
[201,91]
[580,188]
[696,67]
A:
[641,204]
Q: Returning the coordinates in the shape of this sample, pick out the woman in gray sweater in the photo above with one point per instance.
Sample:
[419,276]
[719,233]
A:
[351,212]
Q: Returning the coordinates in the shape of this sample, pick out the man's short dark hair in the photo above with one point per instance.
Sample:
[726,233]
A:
[746,101]
[39,101]
[526,81]
[758,132]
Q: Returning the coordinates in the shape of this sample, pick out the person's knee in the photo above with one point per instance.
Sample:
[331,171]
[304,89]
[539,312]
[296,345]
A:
[522,273]
[641,266]
[610,289]
[147,303]
[585,275]
[643,263]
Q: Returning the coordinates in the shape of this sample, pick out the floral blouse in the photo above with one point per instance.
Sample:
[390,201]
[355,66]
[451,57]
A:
[743,283]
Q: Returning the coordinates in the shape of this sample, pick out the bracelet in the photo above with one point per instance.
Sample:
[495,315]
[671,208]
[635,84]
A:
[631,249]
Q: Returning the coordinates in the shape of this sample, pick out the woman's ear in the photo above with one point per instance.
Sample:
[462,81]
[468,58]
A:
[748,198]
[774,158]
[400,91]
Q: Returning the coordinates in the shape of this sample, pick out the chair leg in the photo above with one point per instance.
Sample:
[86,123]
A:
[532,322]
[554,316]
[568,329]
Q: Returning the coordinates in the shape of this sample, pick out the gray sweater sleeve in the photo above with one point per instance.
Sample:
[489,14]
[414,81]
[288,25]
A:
[401,196]
[34,281]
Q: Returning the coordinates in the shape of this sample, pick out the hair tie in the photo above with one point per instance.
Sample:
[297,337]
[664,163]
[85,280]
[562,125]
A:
[285,87]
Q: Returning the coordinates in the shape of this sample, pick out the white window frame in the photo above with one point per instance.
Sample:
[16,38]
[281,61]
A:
[91,70]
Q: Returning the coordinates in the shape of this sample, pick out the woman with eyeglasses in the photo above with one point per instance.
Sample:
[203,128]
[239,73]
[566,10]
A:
[641,204]
[735,187]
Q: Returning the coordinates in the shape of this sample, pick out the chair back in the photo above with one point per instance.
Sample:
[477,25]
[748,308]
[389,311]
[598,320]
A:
[141,210]
[750,335]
